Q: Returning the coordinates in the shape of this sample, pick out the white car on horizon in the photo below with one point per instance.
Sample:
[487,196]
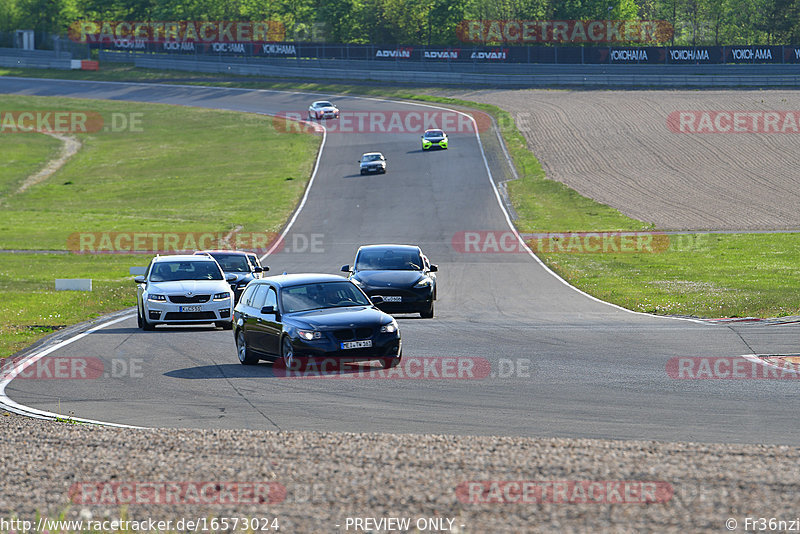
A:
[184,289]
[322,109]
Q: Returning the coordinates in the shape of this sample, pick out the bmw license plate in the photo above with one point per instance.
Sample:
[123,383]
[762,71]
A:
[393,299]
[357,344]
[190,308]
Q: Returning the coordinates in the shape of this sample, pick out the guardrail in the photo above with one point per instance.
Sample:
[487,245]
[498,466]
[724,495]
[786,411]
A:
[743,77]
[487,68]
[35,59]
[508,75]
[444,58]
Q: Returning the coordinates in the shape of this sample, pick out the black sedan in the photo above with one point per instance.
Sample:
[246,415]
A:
[292,317]
[401,275]
[239,263]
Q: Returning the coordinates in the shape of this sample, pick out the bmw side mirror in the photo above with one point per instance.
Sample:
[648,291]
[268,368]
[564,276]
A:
[345,268]
[139,279]
[271,310]
[434,268]
[258,270]
[377,299]
[230,277]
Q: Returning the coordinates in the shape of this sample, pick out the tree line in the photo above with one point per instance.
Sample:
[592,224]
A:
[435,22]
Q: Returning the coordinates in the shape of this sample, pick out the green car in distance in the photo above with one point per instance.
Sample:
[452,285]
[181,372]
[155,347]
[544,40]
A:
[434,139]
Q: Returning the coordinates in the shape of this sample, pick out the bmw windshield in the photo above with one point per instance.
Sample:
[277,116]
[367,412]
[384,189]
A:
[322,295]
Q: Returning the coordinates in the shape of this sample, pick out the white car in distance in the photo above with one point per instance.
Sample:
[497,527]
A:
[322,109]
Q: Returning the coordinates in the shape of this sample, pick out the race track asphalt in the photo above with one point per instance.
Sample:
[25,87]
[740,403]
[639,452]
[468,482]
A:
[582,368]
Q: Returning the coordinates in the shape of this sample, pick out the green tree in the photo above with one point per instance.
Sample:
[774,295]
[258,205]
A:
[341,20]
[9,16]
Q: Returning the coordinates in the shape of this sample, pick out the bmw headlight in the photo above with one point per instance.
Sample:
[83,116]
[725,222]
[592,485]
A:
[222,296]
[390,328]
[308,335]
[424,282]
[157,298]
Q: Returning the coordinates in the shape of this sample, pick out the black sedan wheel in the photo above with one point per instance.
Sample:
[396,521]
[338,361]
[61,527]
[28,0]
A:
[245,354]
[287,353]
[427,314]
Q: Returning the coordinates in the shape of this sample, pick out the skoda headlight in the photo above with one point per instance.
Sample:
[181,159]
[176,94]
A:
[222,296]
[157,298]
[424,282]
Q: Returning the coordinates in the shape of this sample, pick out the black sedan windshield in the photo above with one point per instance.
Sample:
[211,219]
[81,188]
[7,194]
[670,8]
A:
[232,263]
[434,133]
[322,295]
[388,260]
[170,271]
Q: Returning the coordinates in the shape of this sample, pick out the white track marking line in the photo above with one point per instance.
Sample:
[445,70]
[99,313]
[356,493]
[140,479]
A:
[511,224]
[5,400]
[757,358]
[29,360]
[409,103]
[305,195]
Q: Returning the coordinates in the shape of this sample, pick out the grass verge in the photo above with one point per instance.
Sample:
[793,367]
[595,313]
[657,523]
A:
[32,308]
[730,275]
[154,167]
[155,177]
[22,156]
